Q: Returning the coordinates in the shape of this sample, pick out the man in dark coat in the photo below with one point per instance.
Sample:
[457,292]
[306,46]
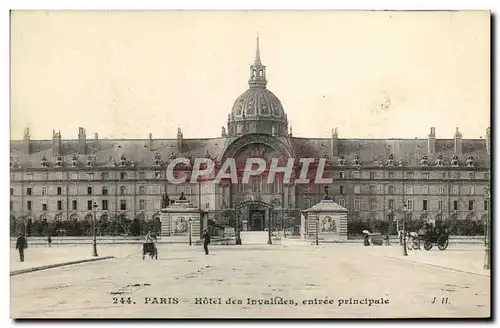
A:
[21,245]
[206,240]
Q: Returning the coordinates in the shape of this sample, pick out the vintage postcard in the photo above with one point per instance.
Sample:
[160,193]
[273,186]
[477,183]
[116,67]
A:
[250,164]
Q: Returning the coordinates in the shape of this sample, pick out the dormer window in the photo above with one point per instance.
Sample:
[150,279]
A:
[157,161]
[123,160]
[172,156]
[424,161]
[89,161]
[74,160]
[207,155]
[11,162]
[59,161]
[341,160]
[355,161]
[454,161]
[381,163]
[470,161]
[439,160]
[44,161]
[400,163]
[390,161]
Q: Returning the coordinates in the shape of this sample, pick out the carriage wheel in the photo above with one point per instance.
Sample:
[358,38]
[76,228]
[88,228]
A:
[428,245]
[143,256]
[156,255]
[415,244]
[442,243]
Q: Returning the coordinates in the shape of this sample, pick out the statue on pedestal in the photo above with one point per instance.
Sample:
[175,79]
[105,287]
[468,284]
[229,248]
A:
[182,197]
[327,197]
[165,200]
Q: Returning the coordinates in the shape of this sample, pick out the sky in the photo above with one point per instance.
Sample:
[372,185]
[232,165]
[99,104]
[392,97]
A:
[370,74]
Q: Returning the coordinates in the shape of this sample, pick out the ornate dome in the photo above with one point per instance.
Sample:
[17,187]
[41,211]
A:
[257,102]
[257,110]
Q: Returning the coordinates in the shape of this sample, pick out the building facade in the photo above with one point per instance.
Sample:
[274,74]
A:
[59,179]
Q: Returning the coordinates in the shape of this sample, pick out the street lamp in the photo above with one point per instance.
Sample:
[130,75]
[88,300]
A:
[405,251]
[317,231]
[94,241]
[269,241]
[488,230]
[238,236]
[190,231]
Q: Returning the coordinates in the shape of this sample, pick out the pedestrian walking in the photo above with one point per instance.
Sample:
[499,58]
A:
[21,245]
[49,241]
[206,240]
[367,240]
[387,242]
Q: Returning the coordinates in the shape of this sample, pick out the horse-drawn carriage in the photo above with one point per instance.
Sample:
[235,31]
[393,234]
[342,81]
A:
[149,248]
[430,237]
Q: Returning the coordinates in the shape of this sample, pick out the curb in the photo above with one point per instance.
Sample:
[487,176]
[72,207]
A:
[50,266]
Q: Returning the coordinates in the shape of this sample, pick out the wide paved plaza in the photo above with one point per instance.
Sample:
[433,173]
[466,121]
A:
[302,276]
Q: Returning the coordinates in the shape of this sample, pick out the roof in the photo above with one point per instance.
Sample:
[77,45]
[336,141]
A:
[142,152]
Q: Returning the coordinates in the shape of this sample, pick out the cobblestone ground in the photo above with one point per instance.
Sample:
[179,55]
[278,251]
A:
[259,272]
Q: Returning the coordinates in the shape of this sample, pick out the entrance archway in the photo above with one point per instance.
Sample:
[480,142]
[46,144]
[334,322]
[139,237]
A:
[255,213]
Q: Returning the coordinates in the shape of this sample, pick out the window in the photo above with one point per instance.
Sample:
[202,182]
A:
[372,175]
[28,205]
[11,191]
[425,190]
[123,175]
[391,190]
[142,205]
[73,190]
[74,205]
[372,189]
[409,175]
[409,190]
[142,190]
[341,190]
[188,190]
[123,205]
[11,205]
[471,190]
[28,191]
[471,175]
[391,204]
[485,205]
[123,190]
[104,176]
[89,190]
[456,190]
[455,205]
[74,175]
[44,206]
[357,189]
[441,190]
[373,205]
[392,175]
[142,175]
[104,191]
[44,191]
[425,175]
[444,175]
[207,205]
[59,205]
[157,204]
[342,202]
[380,189]
[486,176]
[59,191]
[456,175]
[341,175]
[157,175]
[89,205]
[357,204]
[409,205]
[307,202]
[440,204]
[104,204]
[471,205]
[424,205]
[357,174]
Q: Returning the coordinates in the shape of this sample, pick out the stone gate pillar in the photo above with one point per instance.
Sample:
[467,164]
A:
[181,219]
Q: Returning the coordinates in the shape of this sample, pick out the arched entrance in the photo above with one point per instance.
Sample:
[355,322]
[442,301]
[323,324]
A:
[255,214]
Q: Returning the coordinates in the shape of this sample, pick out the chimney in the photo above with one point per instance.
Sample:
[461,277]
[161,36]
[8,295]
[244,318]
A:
[56,142]
[458,142]
[335,142]
[488,140]
[27,141]
[82,141]
[96,136]
[151,142]
[179,140]
[431,141]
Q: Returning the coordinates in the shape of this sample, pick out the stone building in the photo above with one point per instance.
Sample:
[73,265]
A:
[59,179]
